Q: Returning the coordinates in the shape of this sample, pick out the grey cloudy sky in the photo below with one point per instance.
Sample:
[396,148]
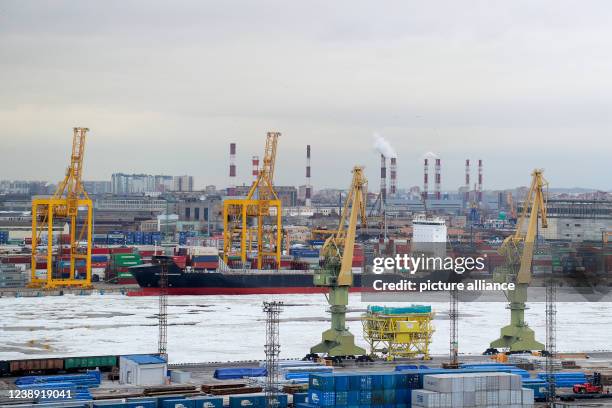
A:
[164,86]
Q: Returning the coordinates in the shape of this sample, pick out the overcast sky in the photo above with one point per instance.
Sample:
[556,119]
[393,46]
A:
[164,87]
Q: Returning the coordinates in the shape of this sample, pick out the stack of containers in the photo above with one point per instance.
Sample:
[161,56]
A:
[120,263]
[358,258]
[537,385]
[184,235]
[307,256]
[99,239]
[99,263]
[63,267]
[205,258]
[459,390]
[4,236]
[11,276]
[116,238]
[392,389]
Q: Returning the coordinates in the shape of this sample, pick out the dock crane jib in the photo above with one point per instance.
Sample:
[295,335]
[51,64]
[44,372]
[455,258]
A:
[518,250]
[336,274]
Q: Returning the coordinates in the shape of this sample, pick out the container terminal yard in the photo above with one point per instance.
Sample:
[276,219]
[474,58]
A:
[290,270]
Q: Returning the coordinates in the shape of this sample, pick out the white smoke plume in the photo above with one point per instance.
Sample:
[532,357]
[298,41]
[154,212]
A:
[430,155]
[384,147]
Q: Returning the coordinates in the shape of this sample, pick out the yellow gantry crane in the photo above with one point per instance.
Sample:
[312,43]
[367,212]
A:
[257,215]
[70,204]
[337,275]
[518,250]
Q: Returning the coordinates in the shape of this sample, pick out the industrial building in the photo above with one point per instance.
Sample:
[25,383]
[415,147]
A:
[578,220]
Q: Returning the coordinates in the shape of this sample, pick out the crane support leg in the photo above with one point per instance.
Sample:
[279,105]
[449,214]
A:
[338,341]
[517,336]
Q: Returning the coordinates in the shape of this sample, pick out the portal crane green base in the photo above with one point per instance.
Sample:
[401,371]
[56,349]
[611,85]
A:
[517,336]
[338,341]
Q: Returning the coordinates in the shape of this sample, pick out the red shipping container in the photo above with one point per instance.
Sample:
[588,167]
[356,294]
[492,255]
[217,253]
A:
[99,264]
[206,265]
[146,253]
[357,263]
[18,259]
[100,251]
[121,250]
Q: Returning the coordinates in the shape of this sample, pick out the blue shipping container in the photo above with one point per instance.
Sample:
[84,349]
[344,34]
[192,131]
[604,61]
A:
[178,403]
[207,402]
[341,382]
[341,398]
[322,382]
[299,397]
[247,401]
[378,397]
[365,397]
[321,398]
[142,404]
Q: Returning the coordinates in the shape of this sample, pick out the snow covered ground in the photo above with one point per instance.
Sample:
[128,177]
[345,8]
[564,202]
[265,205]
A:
[222,328]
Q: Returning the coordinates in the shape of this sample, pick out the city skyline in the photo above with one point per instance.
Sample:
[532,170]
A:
[165,89]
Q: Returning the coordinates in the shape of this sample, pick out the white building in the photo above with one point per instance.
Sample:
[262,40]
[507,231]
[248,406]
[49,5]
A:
[428,229]
[429,236]
[142,370]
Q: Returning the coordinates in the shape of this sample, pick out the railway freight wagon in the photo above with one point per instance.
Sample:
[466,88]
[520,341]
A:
[58,365]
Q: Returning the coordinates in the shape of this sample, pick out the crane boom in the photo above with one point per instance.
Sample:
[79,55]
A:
[337,275]
[518,249]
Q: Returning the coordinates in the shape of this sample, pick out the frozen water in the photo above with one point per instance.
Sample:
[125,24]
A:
[222,328]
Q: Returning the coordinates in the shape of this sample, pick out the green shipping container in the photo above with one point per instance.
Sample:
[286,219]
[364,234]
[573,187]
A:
[127,275]
[90,362]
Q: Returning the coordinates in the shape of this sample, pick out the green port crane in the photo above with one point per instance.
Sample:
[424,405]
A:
[336,273]
[518,250]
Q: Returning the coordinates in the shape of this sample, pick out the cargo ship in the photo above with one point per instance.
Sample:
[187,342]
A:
[194,281]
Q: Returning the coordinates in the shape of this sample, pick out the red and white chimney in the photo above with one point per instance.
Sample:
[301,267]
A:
[383,179]
[438,180]
[232,169]
[480,181]
[308,201]
[255,164]
[393,186]
[425,179]
[467,180]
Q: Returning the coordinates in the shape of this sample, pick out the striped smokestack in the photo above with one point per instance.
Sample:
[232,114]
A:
[308,185]
[425,179]
[393,186]
[467,180]
[480,181]
[232,169]
[383,179]
[255,163]
[438,180]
